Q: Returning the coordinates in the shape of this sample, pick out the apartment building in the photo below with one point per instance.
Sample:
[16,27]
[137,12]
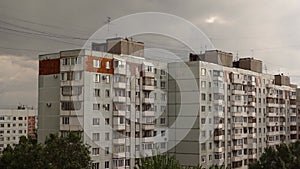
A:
[15,123]
[240,110]
[117,101]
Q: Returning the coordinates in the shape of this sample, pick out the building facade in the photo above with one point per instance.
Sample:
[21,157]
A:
[15,123]
[241,111]
[209,110]
[117,101]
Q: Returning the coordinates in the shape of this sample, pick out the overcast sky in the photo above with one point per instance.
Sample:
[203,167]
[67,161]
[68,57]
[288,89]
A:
[267,30]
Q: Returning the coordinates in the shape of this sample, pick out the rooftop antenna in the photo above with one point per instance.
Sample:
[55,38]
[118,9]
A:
[266,68]
[237,56]
[108,22]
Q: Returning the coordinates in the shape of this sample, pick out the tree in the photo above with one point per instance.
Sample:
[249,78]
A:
[57,153]
[283,156]
[26,154]
[159,162]
[66,153]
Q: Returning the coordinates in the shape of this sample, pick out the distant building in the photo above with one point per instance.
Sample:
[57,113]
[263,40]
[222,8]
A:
[15,123]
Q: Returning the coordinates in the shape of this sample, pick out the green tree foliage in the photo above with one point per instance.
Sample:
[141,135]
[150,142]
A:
[57,153]
[283,156]
[166,161]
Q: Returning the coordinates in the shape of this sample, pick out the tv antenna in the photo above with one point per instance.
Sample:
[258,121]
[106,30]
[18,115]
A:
[237,56]
[266,68]
[108,23]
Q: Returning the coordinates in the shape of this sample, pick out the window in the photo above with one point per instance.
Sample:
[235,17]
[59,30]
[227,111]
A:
[71,61]
[97,78]
[96,106]
[106,136]
[203,84]
[95,151]
[96,63]
[96,136]
[71,75]
[107,121]
[96,121]
[106,79]
[95,165]
[203,96]
[162,120]
[127,162]
[97,92]
[106,164]
[106,107]
[163,133]
[162,72]
[163,85]
[203,71]
[202,120]
[69,105]
[106,150]
[71,90]
[107,65]
[107,93]
[202,108]
[65,120]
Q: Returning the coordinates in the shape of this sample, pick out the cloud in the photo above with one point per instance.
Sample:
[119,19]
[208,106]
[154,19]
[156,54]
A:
[214,19]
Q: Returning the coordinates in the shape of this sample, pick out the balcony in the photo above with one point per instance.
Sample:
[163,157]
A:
[218,102]
[272,95]
[119,126]
[119,112]
[293,123]
[237,147]
[251,93]
[71,112]
[219,149]
[238,92]
[251,114]
[237,158]
[148,113]
[148,100]
[293,106]
[120,70]
[252,135]
[147,74]
[148,139]
[272,105]
[119,155]
[148,87]
[120,85]
[237,80]
[71,127]
[252,104]
[237,103]
[119,141]
[294,132]
[252,156]
[119,99]
[219,137]
[293,97]
[252,145]
[72,83]
[251,125]
[148,126]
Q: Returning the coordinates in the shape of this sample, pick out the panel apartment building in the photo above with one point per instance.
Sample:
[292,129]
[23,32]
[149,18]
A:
[241,110]
[114,96]
[127,106]
[15,123]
